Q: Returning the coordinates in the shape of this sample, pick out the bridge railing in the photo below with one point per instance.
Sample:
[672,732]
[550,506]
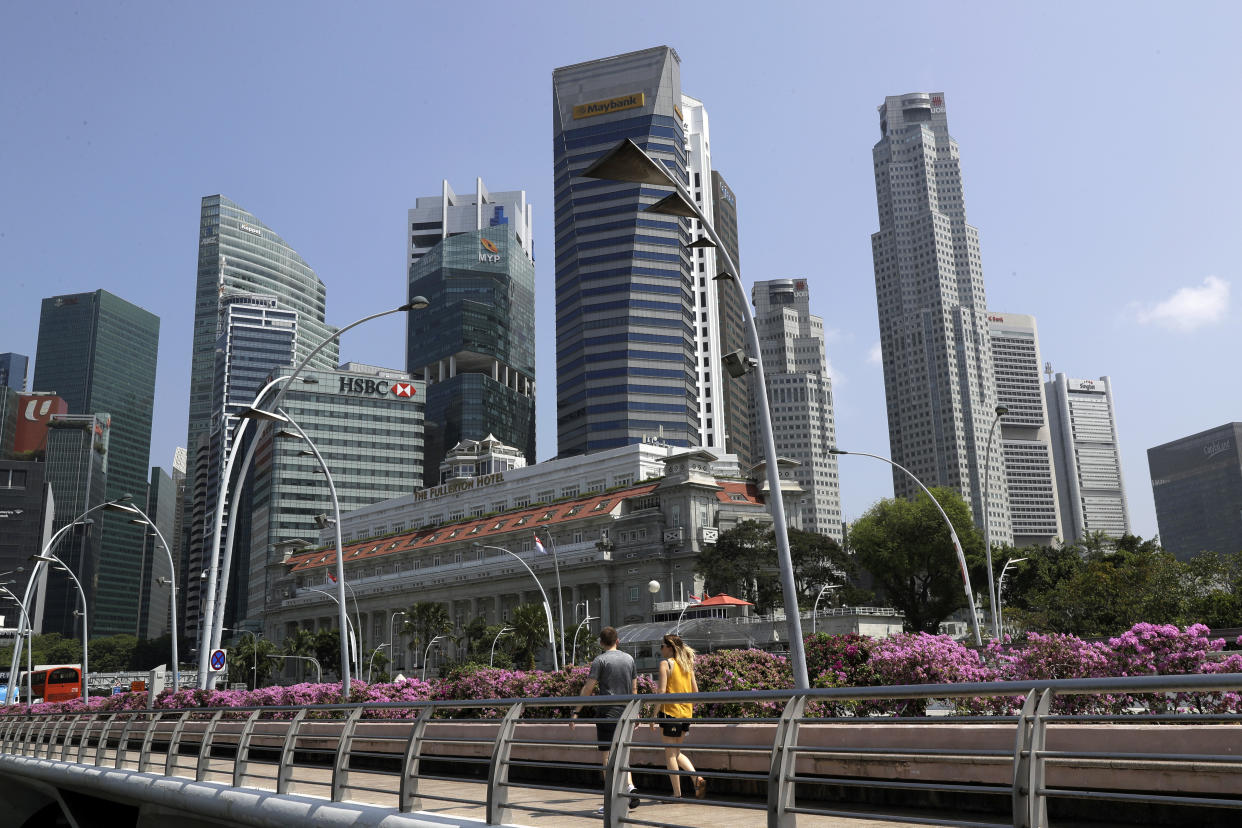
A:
[801,761]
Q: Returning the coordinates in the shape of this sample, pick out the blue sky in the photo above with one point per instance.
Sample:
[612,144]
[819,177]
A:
[1098,144]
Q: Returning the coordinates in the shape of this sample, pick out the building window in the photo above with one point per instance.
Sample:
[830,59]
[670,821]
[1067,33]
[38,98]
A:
[633,595]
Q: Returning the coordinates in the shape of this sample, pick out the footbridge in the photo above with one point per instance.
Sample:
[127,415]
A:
[780,758]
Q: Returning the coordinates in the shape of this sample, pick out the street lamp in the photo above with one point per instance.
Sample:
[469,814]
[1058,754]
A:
[492,658]
[560,606]
[143,517]
[1000,584]
[588,618]
[311,659]
[547,608]
[1001,411]
[213,615]
[52,559]
[254,674]
[392,654]
[120,504]
[427,652]
[371,663]
[957,545]
[681,614]
[815,609]
[627,162]
[348,627]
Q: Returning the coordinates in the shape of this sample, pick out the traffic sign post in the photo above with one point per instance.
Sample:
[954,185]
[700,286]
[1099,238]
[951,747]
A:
[219,660]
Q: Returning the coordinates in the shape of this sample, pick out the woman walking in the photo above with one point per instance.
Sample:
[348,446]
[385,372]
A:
[677,676]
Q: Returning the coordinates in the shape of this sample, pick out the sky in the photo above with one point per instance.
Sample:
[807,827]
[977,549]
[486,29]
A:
[1098,145]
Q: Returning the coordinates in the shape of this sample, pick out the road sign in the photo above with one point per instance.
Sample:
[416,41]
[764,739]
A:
[219,658]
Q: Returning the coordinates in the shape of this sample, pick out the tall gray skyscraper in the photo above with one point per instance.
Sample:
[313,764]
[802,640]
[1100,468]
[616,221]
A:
[1197,485]
[13,371]
[1087,456]
[938,379]
[1024,430]
[237,254]
[800,396]
[626,364]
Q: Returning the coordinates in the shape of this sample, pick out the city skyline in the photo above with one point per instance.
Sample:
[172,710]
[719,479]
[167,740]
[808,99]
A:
[1122,256]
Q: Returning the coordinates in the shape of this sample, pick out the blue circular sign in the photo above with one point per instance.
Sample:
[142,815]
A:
[217,660]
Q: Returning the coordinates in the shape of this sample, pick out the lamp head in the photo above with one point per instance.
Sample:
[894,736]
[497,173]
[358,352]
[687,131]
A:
[737,363]
[415,303]
[702,241]
[252,413]
[323,521]
[629,163]
[288,434]
[1002,410]
[837,451]
[653,586]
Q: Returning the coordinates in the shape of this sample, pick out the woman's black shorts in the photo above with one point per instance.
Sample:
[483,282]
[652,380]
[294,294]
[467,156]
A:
[674,727]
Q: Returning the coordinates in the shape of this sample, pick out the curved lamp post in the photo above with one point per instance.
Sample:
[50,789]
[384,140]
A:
[120,504]
[957,545]
[213,614]
[503,631]
[560,605]
[1000,584]
[371,663]
[427,653]
[392,654]
[578,630]
[547,608]
[815,609]
[311,659]
[1001,411]
[141,518]
[59,564]
[628,162]
[682,614]
[347,624]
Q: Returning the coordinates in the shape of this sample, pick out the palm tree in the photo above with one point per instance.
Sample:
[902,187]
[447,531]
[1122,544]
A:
[424,620]
[530,633]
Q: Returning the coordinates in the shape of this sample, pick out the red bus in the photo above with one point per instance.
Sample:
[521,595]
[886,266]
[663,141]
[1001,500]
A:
[54,683]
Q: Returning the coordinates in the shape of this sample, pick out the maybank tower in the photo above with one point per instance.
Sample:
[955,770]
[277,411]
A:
[626,326]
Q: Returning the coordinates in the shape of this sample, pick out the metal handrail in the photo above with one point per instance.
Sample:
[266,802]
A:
[526,723]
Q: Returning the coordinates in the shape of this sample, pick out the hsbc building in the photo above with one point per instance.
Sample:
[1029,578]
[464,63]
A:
[367,422]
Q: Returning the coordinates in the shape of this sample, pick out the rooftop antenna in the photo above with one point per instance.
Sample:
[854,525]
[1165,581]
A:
[1048,371]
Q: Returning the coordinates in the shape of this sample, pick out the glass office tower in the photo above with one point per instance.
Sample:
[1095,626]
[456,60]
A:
[13,371]
[475,345]
[626,366]
[98,352]
[1197,485]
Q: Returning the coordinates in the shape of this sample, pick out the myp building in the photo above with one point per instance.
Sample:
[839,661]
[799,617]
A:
[625,318]
[475,344]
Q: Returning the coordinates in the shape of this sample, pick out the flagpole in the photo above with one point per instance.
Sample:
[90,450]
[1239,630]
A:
[560,603]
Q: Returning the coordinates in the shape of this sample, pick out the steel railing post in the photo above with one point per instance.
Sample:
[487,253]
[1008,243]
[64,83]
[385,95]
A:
[1037,803]
[174,744]
[144,753]
[498,772]
[408,798]
[1026,744]
[616,800]
[37,748]
[204,746]
[68,743]
[122,746]
[784,758]
[84,744]
[242,760]
[284,775]
[340,767]
[101,749]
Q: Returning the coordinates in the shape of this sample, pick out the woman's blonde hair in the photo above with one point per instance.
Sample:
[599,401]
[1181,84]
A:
[683,653]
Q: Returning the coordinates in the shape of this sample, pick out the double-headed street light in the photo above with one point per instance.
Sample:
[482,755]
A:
[213,604]
[957,545]
[815,609]
[503,631]
[1001,411]
[427,653]
[628,162]
[86,667]
[547,608]
[1000,585]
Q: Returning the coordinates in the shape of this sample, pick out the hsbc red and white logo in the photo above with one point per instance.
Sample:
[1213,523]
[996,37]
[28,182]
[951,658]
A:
[370,387]
[402,389]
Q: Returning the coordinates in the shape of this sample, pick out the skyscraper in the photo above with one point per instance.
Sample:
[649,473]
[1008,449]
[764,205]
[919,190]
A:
[731,316]
[1024,432]
[1197,485]
[626,330]
[800,396]
[476,351]
[237,254]
[162,507]
[98,353]
[1087,457]
[938,379]
[13,371]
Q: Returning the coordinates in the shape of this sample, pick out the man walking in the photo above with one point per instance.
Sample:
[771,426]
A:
[612,674]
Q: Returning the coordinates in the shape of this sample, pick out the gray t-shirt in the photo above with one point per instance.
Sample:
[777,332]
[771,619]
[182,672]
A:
[614,673]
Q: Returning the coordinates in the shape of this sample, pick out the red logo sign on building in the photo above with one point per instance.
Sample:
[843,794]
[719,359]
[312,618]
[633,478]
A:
[402,389]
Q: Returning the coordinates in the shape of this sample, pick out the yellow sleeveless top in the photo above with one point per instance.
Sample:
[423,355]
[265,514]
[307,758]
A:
[678,682]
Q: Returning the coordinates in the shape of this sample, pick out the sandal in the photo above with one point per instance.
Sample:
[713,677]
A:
[700,787]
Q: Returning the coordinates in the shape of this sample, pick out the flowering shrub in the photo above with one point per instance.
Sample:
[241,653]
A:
[731,670]
[1164,649]
[1056,656]
[920,658]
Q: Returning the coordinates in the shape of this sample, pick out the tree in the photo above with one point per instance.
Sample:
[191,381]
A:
[743,563]
[245,664]
[474,636]
[424,620]
[530,633]
[907,548]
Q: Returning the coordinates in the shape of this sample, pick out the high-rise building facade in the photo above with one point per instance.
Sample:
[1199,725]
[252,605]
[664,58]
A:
[13,371]
[475,346]
[1024,434]
[731,320]
[433,219]
[157,579]
[800,396]
[237,254]
[938,380]
[367,423]
[1087,457]
[1197,485]
[627,364]
[98,353]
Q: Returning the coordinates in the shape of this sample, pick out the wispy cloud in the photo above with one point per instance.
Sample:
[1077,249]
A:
[874,355]
[1190,308]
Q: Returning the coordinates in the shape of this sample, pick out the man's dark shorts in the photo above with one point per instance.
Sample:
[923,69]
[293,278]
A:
[674,727]
[604,732]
